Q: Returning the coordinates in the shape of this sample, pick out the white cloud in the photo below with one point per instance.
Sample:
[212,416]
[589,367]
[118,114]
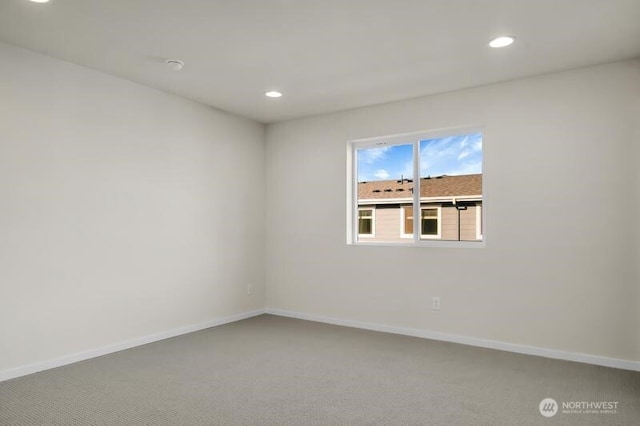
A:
[381,174]
[467,169]
[407,171]
[451,155]
[463,154]
[372,155]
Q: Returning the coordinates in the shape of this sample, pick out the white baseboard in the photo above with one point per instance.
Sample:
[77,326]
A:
[471,341]
[127,344]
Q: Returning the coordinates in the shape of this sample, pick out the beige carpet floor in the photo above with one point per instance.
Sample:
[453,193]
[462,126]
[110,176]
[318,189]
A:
[270,370]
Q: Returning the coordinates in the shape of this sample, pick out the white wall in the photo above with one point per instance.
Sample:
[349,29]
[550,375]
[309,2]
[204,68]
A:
[559,268]
[124,211]
[636,161]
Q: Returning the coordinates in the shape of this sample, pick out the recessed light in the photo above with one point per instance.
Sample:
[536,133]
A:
[40,1]
[174,64]
[502,41]
[273,94]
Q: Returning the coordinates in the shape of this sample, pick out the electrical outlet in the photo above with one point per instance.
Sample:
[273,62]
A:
[435,303]
[250,289]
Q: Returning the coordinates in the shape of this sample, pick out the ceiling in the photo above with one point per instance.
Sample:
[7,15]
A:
[324,55]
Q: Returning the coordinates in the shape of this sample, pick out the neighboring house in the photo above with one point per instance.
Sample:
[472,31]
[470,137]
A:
[451,209]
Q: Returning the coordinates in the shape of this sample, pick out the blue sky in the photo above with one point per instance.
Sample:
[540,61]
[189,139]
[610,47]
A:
[451,155]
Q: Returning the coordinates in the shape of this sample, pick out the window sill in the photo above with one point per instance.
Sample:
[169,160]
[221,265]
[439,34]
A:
[428,244]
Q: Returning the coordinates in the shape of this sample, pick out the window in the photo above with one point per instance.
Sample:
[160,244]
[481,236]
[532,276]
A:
[429,228]
[407,221]
[438,174]
[365,222]
[429,224]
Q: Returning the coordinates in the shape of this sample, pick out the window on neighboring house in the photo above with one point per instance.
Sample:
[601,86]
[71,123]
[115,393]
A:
[407,221]
[365,222]
[429,228]
[438,174]
[429,225]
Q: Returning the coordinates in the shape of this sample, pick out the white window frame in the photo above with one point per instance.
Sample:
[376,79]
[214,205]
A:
[403,234]
[373,222]
[438,218]
[414,138]
[479,222]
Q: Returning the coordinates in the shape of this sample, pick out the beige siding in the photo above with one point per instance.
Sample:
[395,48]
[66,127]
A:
[388,226]
[449,223]
[468,224]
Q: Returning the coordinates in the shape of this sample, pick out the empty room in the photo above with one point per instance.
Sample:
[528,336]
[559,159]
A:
[319,212]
